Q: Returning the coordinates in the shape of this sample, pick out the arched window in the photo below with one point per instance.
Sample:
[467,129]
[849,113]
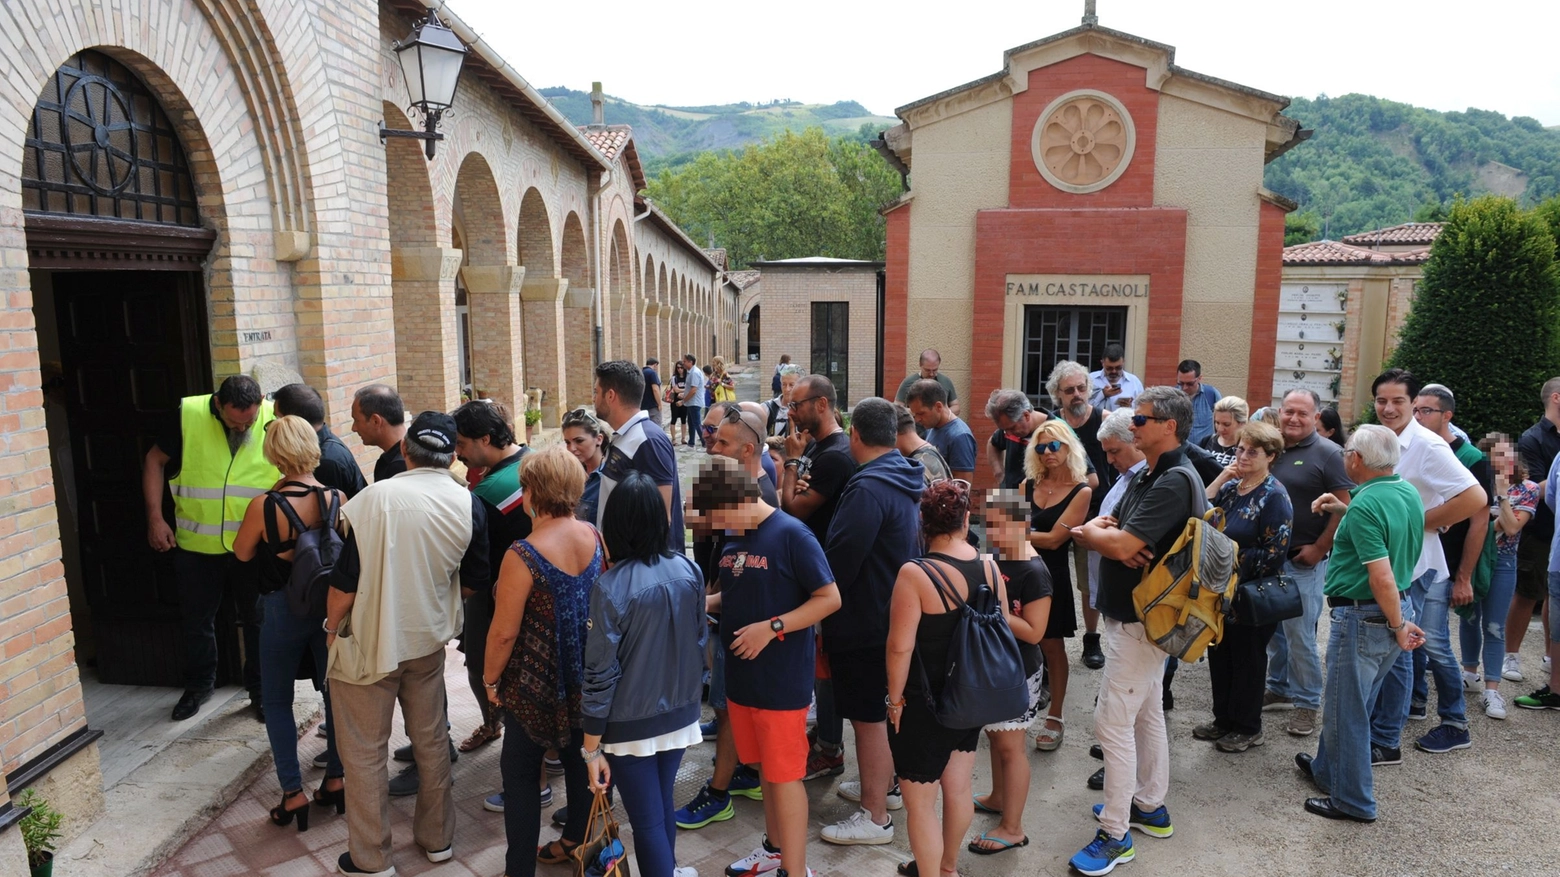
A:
[101,145]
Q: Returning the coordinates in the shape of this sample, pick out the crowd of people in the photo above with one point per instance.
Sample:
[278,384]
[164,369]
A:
[825,581]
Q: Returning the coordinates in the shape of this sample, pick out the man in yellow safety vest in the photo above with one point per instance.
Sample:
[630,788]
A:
[210,457]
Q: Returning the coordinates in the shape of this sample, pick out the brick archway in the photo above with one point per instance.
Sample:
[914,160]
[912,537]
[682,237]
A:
[580,307]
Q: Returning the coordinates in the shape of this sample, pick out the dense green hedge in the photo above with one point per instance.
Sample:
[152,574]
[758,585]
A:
[1486,317]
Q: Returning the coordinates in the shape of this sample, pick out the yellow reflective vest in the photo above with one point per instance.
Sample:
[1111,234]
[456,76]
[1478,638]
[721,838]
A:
[214,485]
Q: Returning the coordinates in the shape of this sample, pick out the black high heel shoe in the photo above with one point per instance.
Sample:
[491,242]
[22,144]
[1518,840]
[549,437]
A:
[282,815]
[324,797]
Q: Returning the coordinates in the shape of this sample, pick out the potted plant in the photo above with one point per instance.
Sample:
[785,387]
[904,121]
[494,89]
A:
[533,416]
[40,829]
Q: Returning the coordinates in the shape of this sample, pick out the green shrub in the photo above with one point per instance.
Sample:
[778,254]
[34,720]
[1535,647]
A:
[40,828]
[1484,320]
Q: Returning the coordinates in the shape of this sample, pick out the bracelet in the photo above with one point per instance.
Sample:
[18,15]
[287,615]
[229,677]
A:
[795,462]
[894,704]
[590,754]
[490,686]
[325,626]
[1401,625]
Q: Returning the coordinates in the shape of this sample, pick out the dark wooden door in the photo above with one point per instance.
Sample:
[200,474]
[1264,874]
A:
[831,345]
[132,343]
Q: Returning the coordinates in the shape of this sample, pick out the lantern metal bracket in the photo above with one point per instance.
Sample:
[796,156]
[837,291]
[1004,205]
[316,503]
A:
[430,132]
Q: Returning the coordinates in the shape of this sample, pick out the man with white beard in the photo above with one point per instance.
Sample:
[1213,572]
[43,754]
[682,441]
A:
[1069,387]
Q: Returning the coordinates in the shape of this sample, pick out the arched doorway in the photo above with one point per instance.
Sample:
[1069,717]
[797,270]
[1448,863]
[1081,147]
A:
[116,252]
[754,350]
[579,325]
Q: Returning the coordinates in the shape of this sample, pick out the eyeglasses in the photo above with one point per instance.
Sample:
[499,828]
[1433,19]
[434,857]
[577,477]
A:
[797,403]
[1053,446]
[1426,412]
[1143,419]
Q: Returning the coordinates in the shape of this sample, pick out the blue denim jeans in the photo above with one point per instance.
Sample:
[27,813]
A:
[1361,657]
[1427,600]
[645,785]
[1294,662]
[695,421]
[285,640]
[1483,633]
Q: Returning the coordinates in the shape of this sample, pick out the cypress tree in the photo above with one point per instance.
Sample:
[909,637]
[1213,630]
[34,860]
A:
[1486,318]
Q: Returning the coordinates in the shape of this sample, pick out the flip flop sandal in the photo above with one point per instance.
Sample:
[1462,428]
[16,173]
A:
[908,869]
[482,736]
[977,849]
[1050,739]
[546,856]
[983,808]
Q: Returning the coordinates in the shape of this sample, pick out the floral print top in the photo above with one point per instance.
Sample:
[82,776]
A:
[1522,498]
[1259,523]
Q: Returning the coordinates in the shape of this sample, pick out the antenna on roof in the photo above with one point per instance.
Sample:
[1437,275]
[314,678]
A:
[1089,17]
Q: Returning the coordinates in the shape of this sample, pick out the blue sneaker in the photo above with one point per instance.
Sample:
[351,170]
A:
[494,803]
[1444,738]
[705,808]
[708,729]
[1103,854]
[1418,712]
[1154,823]
[745,782]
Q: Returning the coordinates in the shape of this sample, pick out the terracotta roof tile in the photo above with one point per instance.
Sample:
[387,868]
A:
[607,140]
[1336,253]
[743,279]
[1423,233]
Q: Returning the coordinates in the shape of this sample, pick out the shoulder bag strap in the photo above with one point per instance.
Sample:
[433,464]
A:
[945,591]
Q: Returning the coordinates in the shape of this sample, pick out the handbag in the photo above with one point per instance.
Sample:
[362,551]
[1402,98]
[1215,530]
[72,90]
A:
[601,854]
[1267,600]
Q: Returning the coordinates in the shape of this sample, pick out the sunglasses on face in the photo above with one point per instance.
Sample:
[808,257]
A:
[1143,419]
[1053,446]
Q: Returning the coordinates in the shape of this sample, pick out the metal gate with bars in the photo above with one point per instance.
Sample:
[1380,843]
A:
[1052,334]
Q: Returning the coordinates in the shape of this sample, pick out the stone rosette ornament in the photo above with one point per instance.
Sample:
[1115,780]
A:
[1083,141]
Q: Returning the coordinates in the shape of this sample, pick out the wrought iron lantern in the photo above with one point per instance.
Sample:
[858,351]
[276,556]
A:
[431,59]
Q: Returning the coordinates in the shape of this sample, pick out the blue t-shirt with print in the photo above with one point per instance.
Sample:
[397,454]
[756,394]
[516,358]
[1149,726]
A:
[765,573]
[956,443]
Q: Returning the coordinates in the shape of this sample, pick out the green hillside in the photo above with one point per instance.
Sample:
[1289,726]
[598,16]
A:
[1375,162]
[669,136]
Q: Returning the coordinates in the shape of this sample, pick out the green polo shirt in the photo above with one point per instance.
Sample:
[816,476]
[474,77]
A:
[1385,519]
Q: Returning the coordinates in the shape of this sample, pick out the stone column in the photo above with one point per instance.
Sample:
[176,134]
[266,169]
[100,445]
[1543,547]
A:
[422,281]
[497,354]
[578,344]
[543,312]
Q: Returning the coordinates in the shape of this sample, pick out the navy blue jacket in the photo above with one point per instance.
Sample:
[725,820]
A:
[644,656]
[876,530]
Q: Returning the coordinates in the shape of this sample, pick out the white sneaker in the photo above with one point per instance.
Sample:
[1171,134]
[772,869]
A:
[850,790]
[859,829]
[684,872]
[1511,667]
[1494,704]
[761,861]
[1472,681]
[444,855]
[1544,665]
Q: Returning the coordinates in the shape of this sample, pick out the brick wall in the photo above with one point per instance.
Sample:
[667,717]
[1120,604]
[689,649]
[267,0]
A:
[1264,313]
[789,294]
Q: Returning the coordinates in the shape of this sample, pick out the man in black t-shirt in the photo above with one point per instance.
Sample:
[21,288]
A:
[1016,420]
[379,420]
[1069,386]
[1538,446]
[1129,715]
[817,465]
[651,403]
[337,468]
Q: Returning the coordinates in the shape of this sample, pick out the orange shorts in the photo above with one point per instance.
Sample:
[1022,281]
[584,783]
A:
[774,739]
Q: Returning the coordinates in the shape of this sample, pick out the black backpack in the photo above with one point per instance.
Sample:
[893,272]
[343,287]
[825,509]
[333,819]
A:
[985,683]
[315,551]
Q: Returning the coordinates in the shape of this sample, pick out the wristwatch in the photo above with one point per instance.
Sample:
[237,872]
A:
[778,626]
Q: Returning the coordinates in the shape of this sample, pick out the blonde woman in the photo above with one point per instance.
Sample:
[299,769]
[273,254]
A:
[1058,502]
[266,538]
[721,384]
[1229,415]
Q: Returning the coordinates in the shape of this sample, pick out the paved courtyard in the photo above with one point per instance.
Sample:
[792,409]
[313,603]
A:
[1480,811]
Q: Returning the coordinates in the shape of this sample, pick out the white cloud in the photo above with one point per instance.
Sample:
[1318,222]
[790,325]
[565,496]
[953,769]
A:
[1438,54]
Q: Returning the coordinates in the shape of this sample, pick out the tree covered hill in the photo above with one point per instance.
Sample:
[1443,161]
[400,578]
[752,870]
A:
[1374,162]
[668,137]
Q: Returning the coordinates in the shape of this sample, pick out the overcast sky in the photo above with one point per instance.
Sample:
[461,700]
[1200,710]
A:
[1441,54]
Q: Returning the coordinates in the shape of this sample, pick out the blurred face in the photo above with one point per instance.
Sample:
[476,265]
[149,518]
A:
[238,419]
[926,417]
[584,446]
[1189,382]
[1430,414]
[1503,458]
[1113,369]
[1224,425]
[1073,394]
[787,384]
[1006,531]
[738,519]
[1393,406]
[1251,460]
[1297,419]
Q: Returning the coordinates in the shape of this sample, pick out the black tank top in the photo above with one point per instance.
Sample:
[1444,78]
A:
[935,632]
[275,571]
